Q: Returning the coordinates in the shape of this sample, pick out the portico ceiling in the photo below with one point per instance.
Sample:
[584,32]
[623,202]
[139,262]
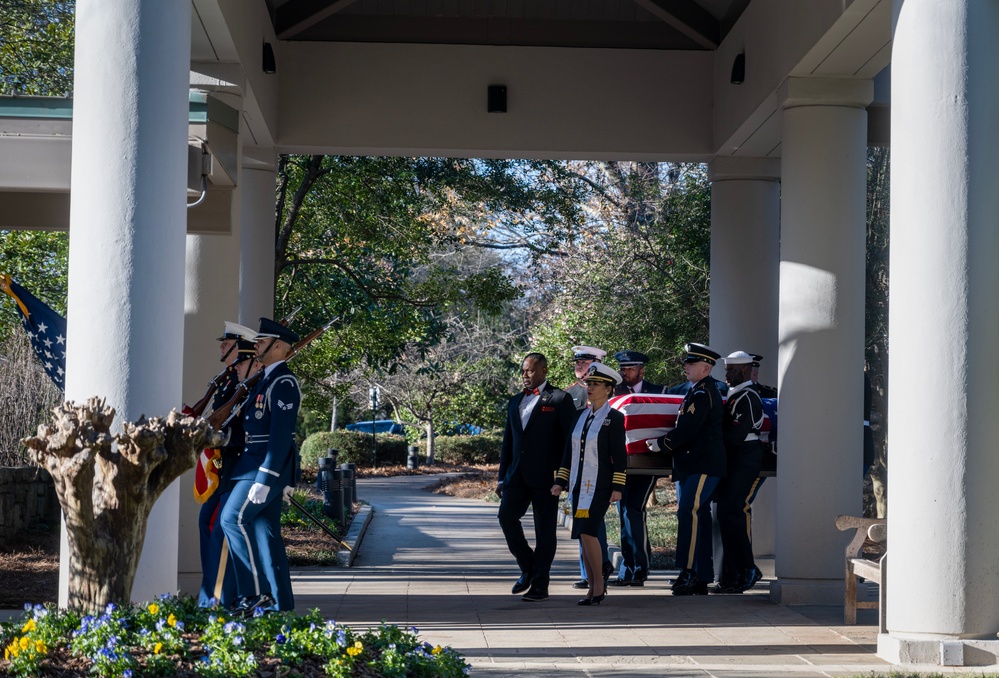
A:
[629,24]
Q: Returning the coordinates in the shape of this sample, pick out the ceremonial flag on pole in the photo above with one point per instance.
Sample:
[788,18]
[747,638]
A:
[45,328]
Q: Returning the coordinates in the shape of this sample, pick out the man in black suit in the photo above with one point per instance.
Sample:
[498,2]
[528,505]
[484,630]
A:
[636,551]
[538,422]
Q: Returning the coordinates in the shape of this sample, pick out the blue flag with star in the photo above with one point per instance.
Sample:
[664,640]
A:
[45,328]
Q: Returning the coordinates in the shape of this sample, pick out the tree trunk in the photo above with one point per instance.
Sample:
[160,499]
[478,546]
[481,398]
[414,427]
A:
[106,491]
[429,428]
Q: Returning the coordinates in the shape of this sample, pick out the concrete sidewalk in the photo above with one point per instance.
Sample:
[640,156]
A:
[440,564]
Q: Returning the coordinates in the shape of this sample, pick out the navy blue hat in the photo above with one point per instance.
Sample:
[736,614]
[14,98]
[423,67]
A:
[630,358]
[271,328]
[700,352]
[244,349]
[756,359]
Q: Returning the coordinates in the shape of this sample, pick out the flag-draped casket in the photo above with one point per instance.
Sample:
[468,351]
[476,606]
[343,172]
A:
[651,415]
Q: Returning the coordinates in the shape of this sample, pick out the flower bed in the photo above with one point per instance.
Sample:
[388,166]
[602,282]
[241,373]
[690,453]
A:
[174,637]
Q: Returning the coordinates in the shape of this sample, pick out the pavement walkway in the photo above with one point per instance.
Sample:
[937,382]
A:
[440,564]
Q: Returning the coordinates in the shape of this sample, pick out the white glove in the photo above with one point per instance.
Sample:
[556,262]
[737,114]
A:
[287,493]
[652,444]
[258,493]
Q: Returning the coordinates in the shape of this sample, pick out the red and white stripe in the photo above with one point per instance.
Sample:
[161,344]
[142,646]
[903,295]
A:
[651,415]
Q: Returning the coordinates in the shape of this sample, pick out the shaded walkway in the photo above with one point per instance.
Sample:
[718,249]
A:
[440,564]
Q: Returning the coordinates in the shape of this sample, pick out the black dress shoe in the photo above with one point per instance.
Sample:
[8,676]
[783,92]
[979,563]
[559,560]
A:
[686,576]
[727,587]
[623,582]
[692,588]
[640,578]
[535,595]
[581,584]
[522,584]
[752,576]
[248,606]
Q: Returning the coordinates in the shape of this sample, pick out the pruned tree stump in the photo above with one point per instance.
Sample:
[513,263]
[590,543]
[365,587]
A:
[107,485]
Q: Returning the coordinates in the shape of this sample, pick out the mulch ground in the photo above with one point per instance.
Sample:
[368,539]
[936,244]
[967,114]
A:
[29,570]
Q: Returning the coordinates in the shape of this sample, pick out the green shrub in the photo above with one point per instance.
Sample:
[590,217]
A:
[481,449]
[354,447]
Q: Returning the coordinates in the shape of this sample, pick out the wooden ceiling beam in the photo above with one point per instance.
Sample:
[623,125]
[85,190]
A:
[293,17]
[687,17]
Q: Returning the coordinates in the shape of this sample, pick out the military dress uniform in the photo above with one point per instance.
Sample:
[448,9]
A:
[698,466]
[636,550]
[742,425]
[269,459]
[218,582]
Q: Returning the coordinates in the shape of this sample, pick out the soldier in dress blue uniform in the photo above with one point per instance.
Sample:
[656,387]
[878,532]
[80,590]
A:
[698,465]
[251,517]
[636,551]
[217,579]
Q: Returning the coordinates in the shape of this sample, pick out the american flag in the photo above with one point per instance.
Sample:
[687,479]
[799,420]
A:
[45,328]
[651,415]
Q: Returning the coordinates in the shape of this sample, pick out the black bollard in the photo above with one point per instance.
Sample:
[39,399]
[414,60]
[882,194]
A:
[413,460]
[333,496]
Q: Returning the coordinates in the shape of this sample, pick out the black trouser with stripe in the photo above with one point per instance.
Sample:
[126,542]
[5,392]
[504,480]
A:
[735,518]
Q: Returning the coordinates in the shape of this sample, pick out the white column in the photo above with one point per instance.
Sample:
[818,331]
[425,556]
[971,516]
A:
[211,297]
[821,332]
[745,266]
[127,226]
[944,320]
[256,267]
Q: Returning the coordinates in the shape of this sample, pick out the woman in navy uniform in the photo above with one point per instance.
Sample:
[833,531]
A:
[251,518]
[593,468]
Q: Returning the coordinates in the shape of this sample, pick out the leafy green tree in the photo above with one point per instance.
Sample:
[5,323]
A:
[36,47]
[38,261]
[637,276]
[389,246]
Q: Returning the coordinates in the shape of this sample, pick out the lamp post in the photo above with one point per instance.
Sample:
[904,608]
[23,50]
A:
[373,394]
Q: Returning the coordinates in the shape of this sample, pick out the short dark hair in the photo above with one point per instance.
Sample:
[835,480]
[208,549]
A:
[538,358]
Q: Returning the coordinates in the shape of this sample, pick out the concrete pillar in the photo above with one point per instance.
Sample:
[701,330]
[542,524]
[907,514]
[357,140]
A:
[256,266]
[944,319]
[127,227]
[211,297]
[821,332]
[745,259]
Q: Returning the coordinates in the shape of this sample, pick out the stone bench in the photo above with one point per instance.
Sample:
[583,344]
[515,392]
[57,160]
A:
[857,567]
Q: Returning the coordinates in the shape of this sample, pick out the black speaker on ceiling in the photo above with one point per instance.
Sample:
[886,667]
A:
[269,63]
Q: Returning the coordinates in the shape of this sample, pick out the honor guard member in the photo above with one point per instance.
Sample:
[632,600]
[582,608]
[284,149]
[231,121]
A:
[636,551]
[583,357]
[251,517]
[698,465]
[236,351]
[741,429]
[764,390]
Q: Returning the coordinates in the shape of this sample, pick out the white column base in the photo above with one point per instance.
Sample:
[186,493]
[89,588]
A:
[787,591]
[937,650]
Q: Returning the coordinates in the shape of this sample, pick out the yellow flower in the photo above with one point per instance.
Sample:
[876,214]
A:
[30,626]
[25,642]
[153,608]
[11,650]
[221,620]
[353,651]
[157,648]
[437,650]
[172,620]
[40,647]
